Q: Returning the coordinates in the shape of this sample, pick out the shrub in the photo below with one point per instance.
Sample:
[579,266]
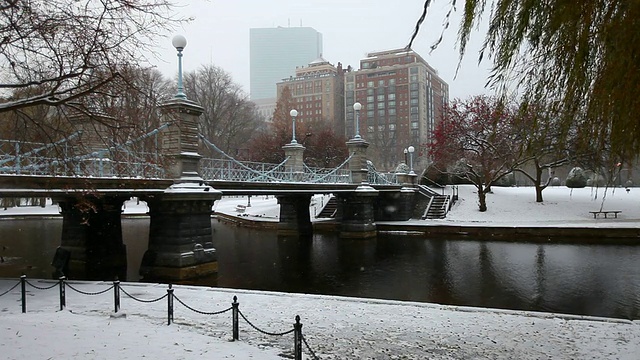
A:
[576,178]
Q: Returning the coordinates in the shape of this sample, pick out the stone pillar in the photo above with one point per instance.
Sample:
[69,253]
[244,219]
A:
[294,215]
[358,162]
[407,180]
[358,215]
[180,140]
[92,234]
[394,205]
[295,163]
[180,234]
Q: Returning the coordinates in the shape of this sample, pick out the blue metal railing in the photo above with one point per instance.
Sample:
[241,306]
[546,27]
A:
[125,160]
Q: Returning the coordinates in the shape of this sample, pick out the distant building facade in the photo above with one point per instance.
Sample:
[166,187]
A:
[318,93]
[402,98]
[275,53]
[265,108]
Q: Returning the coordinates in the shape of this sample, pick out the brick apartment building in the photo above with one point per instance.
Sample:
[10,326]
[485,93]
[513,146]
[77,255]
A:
[318,92]
[402,98]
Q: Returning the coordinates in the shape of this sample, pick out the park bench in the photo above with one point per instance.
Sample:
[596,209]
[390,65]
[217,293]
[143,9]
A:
[241,208]
[605,213]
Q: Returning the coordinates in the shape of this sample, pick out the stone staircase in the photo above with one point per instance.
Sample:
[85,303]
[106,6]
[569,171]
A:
[329,209]
[438,205]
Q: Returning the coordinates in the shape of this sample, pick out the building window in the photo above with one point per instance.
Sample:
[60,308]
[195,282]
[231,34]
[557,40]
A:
[414,78]
[413,86]
[381,113]
[392,103]
[392,111]
[380,82]
[370,114]
[381,105]
[414,109]
[370,84]
[414,125]
[392,81]
[392,96]
[413,70]
[392,127]
[350,78]
[369,91]
[414,102]
[370,99]
[414,94]
[365,65]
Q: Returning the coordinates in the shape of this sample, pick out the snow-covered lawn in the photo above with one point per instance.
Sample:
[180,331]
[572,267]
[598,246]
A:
[334,327]
[561,207]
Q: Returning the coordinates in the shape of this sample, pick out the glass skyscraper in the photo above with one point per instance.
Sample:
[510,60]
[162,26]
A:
[276,52]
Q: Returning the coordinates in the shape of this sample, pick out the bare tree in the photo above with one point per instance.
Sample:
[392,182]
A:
[229,118]
[56,51]
[475,141]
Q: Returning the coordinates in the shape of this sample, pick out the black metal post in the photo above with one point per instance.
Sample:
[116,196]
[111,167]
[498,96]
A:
[234,315]
[169,305]
[297,339]
[23,286]
[116,295]
[63,299]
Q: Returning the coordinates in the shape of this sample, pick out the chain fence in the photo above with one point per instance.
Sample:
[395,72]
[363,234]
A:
[62,284]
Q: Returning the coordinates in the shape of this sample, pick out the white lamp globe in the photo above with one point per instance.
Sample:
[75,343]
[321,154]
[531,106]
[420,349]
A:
[357,106]
[411,149]
[293,113]
[179,42]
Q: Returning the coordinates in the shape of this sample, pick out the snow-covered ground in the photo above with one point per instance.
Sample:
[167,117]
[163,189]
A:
[335,327]
[506,206]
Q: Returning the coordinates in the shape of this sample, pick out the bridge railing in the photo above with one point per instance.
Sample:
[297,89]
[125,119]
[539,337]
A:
[379,178]
[59,159]
[129,167]
[231,170]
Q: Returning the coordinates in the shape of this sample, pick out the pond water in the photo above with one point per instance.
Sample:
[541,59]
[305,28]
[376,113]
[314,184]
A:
[593,280]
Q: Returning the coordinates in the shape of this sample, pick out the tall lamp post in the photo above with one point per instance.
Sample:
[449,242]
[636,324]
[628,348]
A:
[293,114]
[411,149]
[406,157]
[357,106]
[180,42]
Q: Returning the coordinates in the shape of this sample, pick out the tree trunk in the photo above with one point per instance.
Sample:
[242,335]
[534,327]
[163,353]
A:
[482,199]
[538,183]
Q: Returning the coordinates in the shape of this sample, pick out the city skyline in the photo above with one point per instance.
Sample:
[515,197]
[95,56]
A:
[219,35]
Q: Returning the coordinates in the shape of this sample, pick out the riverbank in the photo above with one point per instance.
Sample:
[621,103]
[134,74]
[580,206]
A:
[512,215]
[334,327]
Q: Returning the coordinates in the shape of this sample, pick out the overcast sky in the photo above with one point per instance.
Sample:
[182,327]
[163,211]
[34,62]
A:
[219,34]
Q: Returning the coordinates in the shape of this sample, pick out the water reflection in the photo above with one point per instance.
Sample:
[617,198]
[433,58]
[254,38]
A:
[577,279]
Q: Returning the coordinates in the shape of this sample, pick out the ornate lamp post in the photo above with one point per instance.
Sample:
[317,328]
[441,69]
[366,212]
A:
[293,114]
[406,158]
[411,149]
[180,42]
[357,106]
